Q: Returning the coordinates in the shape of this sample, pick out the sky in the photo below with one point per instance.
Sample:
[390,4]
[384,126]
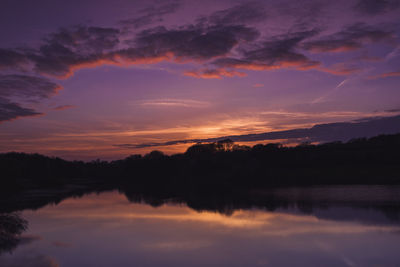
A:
[96,79]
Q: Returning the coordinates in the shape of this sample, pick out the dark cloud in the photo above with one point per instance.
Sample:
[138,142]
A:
[194,41]
[22,87]
[70,48]
[221,40]
[350,38]
[26,86]
[10,111]
[85,40]
[151,15]
[375,7]
[57,60]
[11,59]
[64,50]
[281,49]
[341,131]
[278,52]
[244,13]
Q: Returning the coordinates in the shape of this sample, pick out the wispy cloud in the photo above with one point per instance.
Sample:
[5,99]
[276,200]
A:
[170,102]
[385,75]
[16,88]
[64,107]
[375,7]
[151,14]
[342,131]
[352,37]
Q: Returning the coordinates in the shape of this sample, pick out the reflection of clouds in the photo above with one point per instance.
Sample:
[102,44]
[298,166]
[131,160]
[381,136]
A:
[328,248]
[111,207]
[176,235]
[177,245]
[348,261]
[190,217]
[28,260]
[286,228]
[27,239]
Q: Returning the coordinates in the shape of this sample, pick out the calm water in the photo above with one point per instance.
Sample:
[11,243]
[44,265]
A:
[350,226]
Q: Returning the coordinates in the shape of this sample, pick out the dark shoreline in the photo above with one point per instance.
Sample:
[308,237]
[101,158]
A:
[209,176]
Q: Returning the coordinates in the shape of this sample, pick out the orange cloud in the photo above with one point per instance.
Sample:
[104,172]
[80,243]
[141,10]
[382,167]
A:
[299,64]
[386,75]
[64,107]
[214,73]
[323,48]
[340,69]
[115,59]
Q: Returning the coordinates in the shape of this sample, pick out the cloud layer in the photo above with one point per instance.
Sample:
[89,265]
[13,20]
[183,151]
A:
[352,37]
[10,111]
[375,7]
[228,42]
[22,87]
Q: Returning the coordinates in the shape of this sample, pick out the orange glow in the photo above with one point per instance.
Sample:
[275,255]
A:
[92,144]
[113,60]
[299,65]
[339,49]
[119,60]
[340,69]
[214,74]
[385,75]
[114,206]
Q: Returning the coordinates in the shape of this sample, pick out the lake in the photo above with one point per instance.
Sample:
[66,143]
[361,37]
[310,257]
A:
[319,226]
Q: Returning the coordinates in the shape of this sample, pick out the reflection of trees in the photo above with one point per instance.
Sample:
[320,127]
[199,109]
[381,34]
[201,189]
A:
[11,227]
[218,176]
[365,211]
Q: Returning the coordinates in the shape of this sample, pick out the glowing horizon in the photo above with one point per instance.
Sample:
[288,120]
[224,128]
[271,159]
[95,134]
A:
[140,72]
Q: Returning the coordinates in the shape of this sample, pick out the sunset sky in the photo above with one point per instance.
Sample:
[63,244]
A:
[81,79]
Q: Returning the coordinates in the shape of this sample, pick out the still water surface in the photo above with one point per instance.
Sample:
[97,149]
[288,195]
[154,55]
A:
[108,230]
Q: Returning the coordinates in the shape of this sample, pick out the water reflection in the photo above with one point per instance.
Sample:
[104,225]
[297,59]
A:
[307,227]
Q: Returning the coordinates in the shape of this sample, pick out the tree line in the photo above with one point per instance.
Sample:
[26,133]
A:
[221,165]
